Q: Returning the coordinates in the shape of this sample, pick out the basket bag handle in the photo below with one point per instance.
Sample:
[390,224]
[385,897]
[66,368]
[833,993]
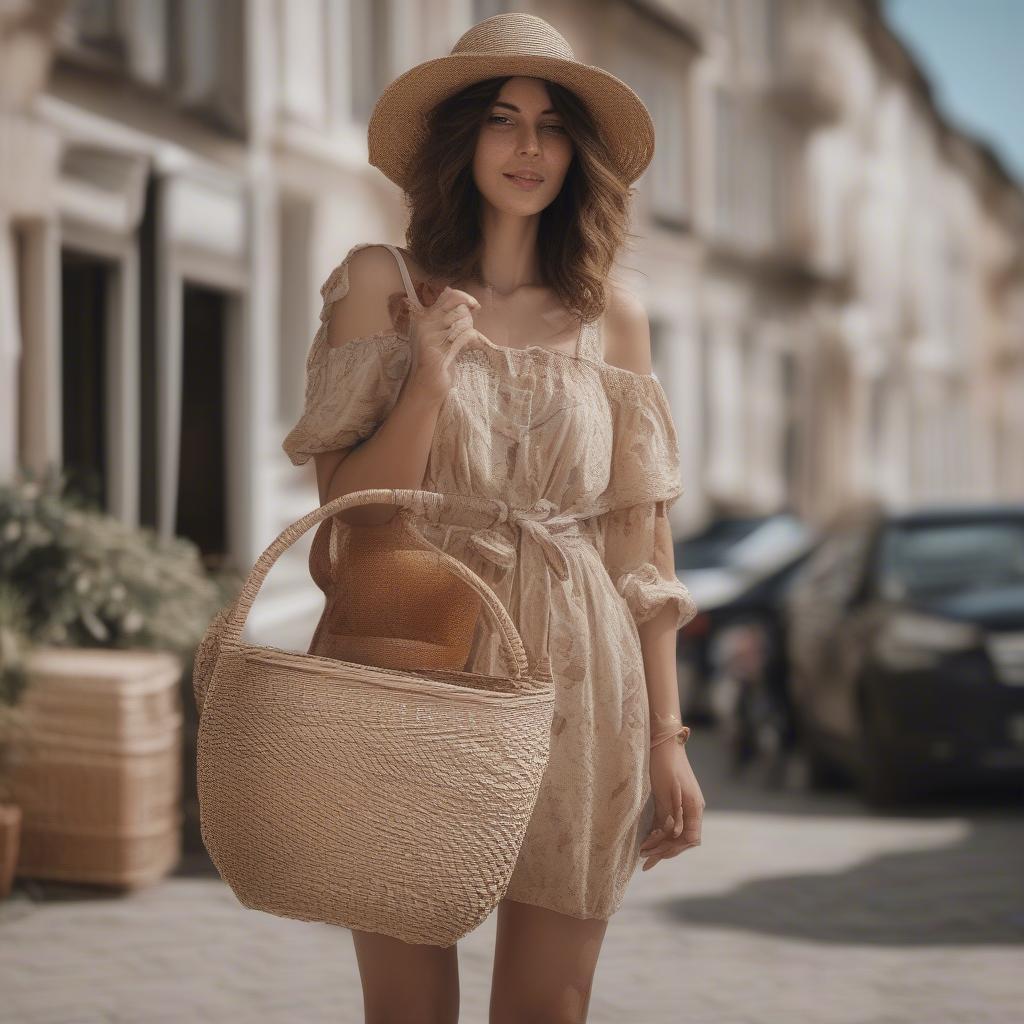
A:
[404,498]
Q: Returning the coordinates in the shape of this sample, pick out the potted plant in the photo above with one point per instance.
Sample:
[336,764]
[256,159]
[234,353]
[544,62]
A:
[77,578]
[13,645]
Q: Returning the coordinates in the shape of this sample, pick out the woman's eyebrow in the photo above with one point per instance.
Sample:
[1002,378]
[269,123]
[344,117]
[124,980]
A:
[512,106]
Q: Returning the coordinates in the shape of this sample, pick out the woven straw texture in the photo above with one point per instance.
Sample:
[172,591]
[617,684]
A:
[99,779]
[507,44]
[583,460]
[382,799]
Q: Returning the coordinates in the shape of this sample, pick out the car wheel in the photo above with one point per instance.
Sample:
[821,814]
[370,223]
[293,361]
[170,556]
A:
[883,781]
[822,771]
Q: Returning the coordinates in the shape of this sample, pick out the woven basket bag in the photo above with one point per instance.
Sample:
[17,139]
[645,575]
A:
[385,799]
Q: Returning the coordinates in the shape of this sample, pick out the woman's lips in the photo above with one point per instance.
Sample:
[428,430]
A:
[523,183]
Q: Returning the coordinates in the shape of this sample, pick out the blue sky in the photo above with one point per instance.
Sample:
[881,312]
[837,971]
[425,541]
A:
[973,53]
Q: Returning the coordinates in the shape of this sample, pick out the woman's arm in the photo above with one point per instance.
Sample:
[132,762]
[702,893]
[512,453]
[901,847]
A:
[678,800]
[658,641]
[396,454]
[627,344]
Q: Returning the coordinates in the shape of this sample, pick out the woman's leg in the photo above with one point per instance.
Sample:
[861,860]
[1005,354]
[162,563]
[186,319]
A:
[406,983]
[544,965]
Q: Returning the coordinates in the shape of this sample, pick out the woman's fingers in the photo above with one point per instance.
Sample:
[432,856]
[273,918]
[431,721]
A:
[652,839]
[452,297]
[458,317]
[663,842]
[657,844]
[675,825]
[459,341]
[694,818]
[661,848]
[667,855]
[688,836]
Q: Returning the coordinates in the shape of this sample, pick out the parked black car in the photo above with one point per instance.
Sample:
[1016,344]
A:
[906,649]
[723,566]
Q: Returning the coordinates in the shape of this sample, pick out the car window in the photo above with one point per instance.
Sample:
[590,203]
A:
[710,548]
[931,557]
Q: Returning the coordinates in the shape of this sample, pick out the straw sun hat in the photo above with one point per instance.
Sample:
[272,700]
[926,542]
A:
[507,44]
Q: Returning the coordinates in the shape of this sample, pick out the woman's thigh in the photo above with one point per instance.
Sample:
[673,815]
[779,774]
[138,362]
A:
[544,965]
[407,983]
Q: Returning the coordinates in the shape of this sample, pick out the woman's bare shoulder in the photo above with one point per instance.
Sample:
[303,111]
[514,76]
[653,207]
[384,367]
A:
[626,330]
[420,276]
[366,306]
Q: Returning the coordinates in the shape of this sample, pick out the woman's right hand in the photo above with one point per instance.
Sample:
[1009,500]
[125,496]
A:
[438,331]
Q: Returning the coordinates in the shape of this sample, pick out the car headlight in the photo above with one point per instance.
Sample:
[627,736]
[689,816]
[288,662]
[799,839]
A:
[911,640]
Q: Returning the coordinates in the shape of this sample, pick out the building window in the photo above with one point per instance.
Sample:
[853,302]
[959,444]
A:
[759,32]
[295,290]
[663,89]
[87,321]
[370,54]
[657,64]
[98,27]
[669,180]
[209,60]
[725,163]
[790,400]
[707,385]
[722,14]
[957,295]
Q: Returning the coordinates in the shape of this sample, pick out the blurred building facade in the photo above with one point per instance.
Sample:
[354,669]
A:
[834,276]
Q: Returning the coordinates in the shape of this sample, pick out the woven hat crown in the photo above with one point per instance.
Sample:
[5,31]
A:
[514,34]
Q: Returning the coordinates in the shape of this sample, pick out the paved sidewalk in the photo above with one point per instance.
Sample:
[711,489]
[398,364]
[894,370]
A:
[795,908]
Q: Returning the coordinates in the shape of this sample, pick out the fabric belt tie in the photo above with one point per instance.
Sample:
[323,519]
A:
[518,537]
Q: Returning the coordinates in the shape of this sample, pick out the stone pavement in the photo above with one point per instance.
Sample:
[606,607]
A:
[796,908]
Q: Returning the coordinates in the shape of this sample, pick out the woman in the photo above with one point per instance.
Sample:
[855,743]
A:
[494,357]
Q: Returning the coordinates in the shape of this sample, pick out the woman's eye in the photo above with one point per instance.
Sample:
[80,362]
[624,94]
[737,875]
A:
[500,117]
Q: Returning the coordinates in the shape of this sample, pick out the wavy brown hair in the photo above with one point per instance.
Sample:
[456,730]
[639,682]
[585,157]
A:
[580,232]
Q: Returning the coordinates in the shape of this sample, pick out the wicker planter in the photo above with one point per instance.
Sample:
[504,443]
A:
[99,776]
[10,834]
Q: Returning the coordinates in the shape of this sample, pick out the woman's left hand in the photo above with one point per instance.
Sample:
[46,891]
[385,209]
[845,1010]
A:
[678,804]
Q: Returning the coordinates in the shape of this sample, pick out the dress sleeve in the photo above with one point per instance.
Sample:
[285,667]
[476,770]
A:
[349,389]
[644,483]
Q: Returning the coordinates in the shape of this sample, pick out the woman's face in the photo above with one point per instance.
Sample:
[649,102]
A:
[521,132]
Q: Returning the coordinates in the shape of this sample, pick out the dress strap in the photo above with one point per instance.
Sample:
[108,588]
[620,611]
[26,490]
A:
[410,290]
[590,344]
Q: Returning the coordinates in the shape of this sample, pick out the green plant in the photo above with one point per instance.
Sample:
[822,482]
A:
[85,579]
[13,680]
[71,575]
[13,644]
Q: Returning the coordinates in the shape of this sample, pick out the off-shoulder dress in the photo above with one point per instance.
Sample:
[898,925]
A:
[555,435]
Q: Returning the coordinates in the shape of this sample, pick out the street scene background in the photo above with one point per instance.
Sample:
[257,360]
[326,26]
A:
[829,243]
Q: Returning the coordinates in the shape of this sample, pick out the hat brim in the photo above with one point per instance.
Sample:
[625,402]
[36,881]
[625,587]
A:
[398,124]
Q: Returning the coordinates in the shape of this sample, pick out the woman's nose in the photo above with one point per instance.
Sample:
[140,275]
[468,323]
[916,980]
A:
[528,143]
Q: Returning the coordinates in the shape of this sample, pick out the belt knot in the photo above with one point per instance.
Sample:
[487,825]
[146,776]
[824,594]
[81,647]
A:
[538,520]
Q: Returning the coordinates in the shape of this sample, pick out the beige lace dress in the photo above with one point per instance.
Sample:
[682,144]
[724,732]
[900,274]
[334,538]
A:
[564,439]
